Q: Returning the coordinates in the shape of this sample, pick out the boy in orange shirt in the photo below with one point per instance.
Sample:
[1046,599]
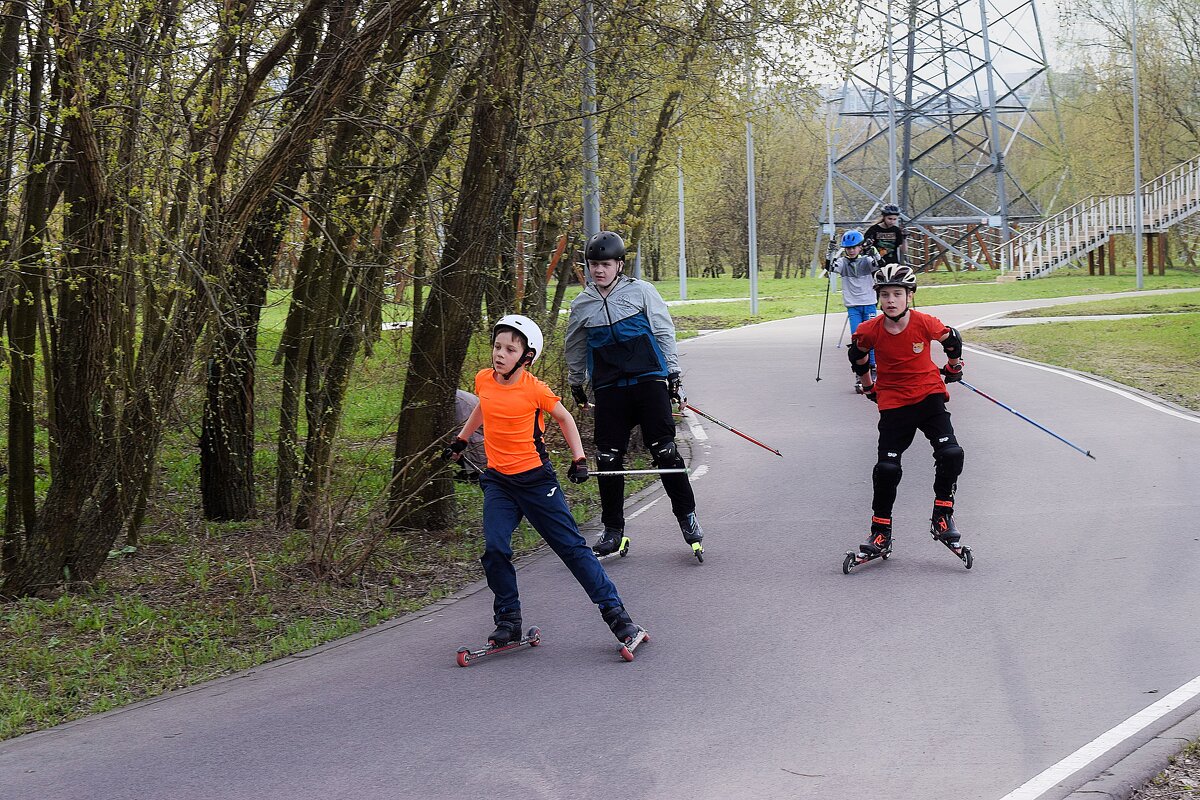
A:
[519,481]
[912,396]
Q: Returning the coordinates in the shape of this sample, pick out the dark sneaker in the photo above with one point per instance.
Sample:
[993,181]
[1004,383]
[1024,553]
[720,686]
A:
[620,624]
[508,629]
[880,539]
[609,541]
[943,528]
[690,526]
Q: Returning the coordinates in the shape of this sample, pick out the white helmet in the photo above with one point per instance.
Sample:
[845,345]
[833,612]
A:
[526,327]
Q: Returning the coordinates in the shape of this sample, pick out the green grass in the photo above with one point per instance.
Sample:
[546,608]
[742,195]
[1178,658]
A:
[1167,304]
[1159,354]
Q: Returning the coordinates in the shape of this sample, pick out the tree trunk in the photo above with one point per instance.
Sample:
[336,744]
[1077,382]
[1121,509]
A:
[227,427]
[440,340]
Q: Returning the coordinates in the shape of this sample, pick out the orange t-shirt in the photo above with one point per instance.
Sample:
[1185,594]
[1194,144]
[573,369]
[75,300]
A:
[512,420]
[907,373]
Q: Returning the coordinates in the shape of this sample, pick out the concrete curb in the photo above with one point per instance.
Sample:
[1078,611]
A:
[1141,764]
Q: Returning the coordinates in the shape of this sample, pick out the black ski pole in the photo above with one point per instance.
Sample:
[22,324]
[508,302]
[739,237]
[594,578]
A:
[984,395]
[825,316]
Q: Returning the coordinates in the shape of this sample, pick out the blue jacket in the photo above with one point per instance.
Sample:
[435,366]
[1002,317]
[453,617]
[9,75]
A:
[620,339]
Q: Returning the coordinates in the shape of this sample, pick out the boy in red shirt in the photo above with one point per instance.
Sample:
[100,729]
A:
[519,481]
[912,396]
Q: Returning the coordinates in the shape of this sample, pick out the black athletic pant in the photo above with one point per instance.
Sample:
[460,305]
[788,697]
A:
[897,428]
[618,410]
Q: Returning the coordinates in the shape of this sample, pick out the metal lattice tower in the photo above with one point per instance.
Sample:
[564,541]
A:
[935,116]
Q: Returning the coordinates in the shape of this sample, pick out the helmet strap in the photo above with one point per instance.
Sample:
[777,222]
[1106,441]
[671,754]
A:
[525,360]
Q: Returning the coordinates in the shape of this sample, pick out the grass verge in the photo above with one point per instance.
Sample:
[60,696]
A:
[1159,354]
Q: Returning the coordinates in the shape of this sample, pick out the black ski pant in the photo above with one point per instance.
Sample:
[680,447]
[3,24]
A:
[897,428]
[618,409]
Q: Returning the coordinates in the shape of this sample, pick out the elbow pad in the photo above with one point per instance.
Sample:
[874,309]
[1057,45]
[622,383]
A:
[953,344]
[854,354]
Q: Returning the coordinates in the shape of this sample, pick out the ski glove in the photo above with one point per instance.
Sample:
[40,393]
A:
[953,374]
[580,395]
[675,389]
[455,448]
[578,471]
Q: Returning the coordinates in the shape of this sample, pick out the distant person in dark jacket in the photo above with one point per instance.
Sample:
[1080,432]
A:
[887,236]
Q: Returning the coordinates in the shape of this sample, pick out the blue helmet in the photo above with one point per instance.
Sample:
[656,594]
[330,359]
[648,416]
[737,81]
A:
[852,239]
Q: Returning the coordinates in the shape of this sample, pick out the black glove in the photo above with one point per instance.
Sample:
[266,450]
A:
[578,471]
[871,395]
[675,389]
[456,447]
[580,396]
[953,374]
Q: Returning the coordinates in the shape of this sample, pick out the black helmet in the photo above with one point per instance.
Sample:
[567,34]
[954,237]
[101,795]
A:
[895,275]
[890,209]
[605,245]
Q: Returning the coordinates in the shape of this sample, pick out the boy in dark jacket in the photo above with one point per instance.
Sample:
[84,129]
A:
[621,336]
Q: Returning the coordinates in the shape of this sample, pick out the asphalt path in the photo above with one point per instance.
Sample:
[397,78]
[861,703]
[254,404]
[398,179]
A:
[770,674]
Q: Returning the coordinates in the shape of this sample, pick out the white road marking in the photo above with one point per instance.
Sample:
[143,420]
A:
[644,508]
[699,472]
[698,432]
[1036,787]
[1083,379]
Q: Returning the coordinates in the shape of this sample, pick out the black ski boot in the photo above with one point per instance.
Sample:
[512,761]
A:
[620,624]
[693,534]
[690,527]
[942,525]
[612,540]
[880,540]
[508,629]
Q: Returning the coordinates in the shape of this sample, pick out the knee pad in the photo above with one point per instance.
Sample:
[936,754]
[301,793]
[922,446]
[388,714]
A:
[610,460]
[666,455]
[887,472]
[948,457]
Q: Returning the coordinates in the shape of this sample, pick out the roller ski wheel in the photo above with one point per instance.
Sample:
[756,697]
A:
[961,550]
[633,643]
[944,531]
[621,551]
[698,551]
[466,656]
[855,558]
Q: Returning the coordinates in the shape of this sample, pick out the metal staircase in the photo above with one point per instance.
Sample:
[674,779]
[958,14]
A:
[1067,237]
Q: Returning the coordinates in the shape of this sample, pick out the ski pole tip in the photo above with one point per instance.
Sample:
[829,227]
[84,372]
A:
[1089,455]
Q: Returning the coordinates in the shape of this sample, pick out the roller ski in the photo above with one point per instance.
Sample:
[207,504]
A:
[943,530]
[878,545]
[693,534]
[630,636]
[612,542]
[505,638]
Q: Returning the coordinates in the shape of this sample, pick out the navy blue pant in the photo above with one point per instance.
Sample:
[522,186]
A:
[536,496]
